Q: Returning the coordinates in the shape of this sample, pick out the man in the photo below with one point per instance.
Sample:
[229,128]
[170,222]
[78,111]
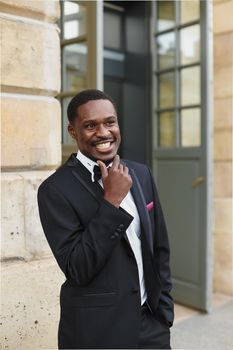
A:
[103,221]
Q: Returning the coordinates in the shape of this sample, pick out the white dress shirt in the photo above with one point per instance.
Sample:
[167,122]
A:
[133,231]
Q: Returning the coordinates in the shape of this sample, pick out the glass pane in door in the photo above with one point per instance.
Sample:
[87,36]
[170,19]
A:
[165,15]
[190,127]
[74,63]
[190,44]
[190,86]
[74,20]
[166,50]
[190,10]
[167,90]
[66,138]
[113,31]
[167,129]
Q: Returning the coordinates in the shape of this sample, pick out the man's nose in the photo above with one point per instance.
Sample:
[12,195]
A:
[102,131]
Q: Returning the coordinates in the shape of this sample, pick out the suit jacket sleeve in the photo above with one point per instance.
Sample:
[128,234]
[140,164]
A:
[162,257]
[81,252]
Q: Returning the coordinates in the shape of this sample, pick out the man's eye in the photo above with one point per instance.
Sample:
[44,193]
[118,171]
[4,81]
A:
[110,123]
[89,126]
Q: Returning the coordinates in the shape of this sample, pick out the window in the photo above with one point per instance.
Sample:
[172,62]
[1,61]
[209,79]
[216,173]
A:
[177,73]
[81,45]
[73,57]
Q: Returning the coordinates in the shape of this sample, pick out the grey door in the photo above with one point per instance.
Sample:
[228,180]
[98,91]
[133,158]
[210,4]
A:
[180,152]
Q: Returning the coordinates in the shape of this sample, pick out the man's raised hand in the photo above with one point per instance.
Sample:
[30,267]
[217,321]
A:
[116,182]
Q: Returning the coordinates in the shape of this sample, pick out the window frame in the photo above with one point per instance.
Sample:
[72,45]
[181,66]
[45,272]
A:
[176,69]
[93,38]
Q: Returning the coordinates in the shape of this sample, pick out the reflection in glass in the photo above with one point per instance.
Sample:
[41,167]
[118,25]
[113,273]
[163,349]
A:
[113,31]
[190,86]
[74,20]
[166,50]
[167,129]
[190,10]
[74,63]
[166,14]
[191,127]
[66,138]
[167,91]
[190,44]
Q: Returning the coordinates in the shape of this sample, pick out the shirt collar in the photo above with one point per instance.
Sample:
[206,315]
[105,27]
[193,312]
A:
[88,163]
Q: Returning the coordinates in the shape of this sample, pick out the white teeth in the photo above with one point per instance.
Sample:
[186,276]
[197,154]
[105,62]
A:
[103,145]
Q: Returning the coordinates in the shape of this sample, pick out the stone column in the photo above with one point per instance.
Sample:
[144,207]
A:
[31,150]
[223,122]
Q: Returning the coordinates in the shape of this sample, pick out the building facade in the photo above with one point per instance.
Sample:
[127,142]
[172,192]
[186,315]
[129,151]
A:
[169,66]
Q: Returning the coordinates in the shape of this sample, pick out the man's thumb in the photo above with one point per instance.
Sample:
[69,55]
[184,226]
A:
[103,169]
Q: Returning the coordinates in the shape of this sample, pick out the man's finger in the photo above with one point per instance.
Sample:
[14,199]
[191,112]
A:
[126,169]
[116,162]
[103,169]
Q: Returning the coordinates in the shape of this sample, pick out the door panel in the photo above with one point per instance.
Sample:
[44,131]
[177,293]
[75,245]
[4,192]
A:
[174,176]
[181,131]
[181,200]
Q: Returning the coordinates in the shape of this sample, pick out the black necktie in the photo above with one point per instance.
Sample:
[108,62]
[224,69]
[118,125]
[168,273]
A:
[97,173]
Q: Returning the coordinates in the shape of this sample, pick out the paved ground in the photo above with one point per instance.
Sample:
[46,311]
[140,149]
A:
[205,331]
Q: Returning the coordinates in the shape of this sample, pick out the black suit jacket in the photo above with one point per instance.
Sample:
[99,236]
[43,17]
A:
[100,299]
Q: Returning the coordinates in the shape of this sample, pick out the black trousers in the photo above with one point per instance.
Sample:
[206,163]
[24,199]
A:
[154,332]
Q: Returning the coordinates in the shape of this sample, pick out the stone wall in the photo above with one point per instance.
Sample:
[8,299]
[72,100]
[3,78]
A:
[223,122]
[31,150]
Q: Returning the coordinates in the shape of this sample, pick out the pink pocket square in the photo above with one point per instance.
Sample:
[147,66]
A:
[150,206]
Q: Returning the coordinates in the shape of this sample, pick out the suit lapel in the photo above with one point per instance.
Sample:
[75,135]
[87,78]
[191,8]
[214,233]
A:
[84,177]
[140,202]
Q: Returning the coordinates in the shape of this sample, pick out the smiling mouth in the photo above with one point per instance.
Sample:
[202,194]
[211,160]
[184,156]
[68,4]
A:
[103,145]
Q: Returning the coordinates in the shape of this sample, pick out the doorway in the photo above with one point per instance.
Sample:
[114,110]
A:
[127,75]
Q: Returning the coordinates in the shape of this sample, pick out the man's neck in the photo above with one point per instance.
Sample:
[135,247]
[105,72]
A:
[106,162]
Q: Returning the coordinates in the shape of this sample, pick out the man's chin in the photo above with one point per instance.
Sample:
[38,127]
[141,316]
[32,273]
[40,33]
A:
[105,158]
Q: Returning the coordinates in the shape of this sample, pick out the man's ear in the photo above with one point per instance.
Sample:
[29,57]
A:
[71,131]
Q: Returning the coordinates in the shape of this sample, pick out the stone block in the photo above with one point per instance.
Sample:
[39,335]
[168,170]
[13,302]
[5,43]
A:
[31,132]
[12,203]
[223,249]
[223,112]
[223,280]
[222,17]
[223,215]
[35,241]
[47,10]
[223,81]
[30,57]
[219,1]
[22,233]
[223,268]
[223,43]
[223,179]
[223,144]
[30,304]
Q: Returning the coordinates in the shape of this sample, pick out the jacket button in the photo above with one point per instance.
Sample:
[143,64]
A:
[113,236]
[134,290]
[119,230]
[121,226]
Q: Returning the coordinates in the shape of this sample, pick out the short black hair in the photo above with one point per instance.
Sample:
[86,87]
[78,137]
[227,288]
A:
[83,97]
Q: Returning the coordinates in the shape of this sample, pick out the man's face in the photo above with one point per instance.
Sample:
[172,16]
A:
[96,130]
